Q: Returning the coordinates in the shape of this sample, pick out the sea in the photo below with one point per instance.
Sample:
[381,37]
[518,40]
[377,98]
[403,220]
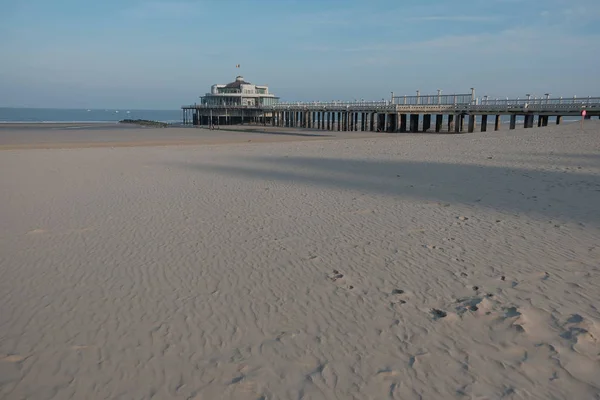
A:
[55,115]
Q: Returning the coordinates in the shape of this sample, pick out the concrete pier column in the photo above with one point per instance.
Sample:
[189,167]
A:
[372,121]
[451,123]
[461,120]
[426,122]
[540,120]
[484,123]
[325,120]
[414,123]
[497,123]
[458,124]
[513,121]
[439,120]
[544,120]
[528,121]
[558,119]
[348,121]
[356,121]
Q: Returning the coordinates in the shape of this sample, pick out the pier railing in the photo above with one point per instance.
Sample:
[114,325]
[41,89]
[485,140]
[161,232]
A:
[580,101]
[434,99]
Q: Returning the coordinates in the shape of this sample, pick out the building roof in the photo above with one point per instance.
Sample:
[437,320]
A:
[239,80]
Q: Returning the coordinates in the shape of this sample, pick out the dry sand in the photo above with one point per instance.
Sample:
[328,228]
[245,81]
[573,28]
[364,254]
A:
[406,267]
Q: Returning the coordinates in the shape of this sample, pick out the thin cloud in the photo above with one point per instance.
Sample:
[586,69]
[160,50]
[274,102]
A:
[456,18]
[163,9]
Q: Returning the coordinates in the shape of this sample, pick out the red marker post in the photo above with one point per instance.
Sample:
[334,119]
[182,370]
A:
[583,114]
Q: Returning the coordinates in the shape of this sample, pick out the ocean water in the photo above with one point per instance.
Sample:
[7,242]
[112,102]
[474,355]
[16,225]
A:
[84,115]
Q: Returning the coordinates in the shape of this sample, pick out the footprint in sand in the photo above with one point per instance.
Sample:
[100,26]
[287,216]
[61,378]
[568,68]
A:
[340,280]
[398,294]
[438,314]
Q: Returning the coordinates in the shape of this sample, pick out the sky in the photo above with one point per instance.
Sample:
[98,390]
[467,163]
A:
[161,54]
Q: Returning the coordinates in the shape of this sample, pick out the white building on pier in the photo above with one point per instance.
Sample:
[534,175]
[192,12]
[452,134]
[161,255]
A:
[239,93]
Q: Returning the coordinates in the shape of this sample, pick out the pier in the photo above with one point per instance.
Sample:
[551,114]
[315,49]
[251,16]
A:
[454,113]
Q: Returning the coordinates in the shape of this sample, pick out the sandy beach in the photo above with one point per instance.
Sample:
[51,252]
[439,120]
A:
[255,265]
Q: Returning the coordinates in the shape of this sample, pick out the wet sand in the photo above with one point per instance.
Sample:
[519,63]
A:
[402,266]
[53,136]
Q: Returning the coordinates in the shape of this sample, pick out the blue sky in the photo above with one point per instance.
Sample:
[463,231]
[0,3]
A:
[162,54]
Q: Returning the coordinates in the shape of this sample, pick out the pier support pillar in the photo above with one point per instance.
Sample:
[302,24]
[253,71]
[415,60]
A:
[372,121]
[497,123]
[540,121]
[558,119]
[426,122]
[414,123]
[484,123]
[545,120]
[356,121]
[458,123]
[451,123]
[513,121]
[461,120]
[528,121]
[439,120]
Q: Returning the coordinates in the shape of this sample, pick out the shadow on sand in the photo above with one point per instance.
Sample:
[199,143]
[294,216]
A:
[560,194]
[275,133]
